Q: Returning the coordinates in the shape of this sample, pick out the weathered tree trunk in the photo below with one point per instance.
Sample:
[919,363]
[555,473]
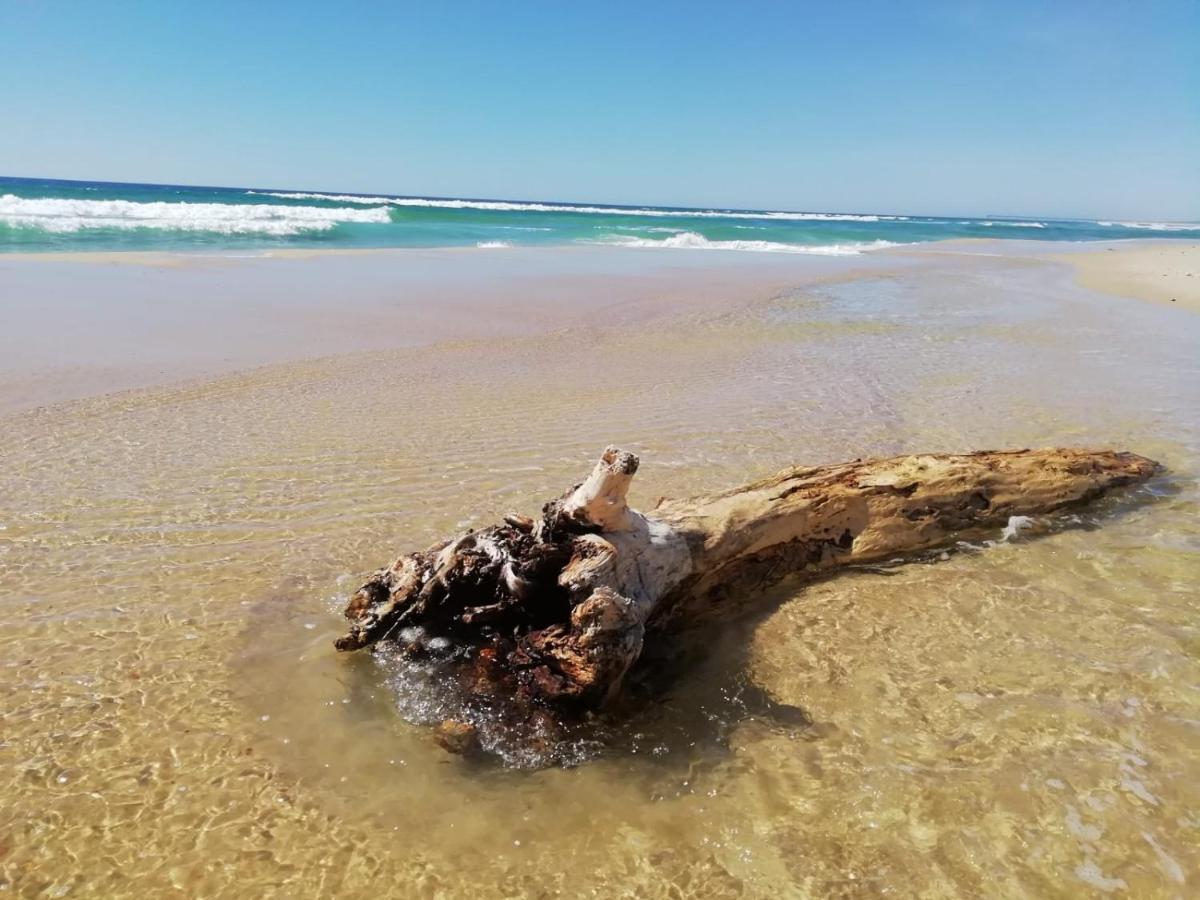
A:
[554,612]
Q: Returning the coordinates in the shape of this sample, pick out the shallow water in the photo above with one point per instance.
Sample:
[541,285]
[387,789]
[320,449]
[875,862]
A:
[1018,721]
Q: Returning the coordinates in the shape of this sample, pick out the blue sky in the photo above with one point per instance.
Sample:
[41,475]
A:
[1070,109]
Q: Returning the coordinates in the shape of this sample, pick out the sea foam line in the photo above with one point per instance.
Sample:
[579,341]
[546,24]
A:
[1007,224]
[520,206]
[690,240]
[988,223]
[1155,226]
[67,216]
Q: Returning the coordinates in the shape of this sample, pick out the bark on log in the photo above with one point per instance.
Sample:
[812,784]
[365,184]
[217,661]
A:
[553,613]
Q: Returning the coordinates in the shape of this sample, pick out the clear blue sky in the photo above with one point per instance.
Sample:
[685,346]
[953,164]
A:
[1053,108]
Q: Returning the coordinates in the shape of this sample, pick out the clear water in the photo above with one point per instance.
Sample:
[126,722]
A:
[43,215]
[1017,722]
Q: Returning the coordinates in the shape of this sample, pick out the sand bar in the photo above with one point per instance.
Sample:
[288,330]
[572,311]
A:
[77,325]
[1159,271]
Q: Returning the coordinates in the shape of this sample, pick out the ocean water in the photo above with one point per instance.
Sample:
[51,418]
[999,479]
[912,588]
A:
[39,215]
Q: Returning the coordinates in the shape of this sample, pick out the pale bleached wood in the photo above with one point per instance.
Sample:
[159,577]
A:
[555,612]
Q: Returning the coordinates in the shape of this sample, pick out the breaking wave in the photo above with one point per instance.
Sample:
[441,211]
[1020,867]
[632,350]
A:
[336,198]
[1155,226]
[518,206]
[690,240]
[492,245]
[67,216]
[988,223]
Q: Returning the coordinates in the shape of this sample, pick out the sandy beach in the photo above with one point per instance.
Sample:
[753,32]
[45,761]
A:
[154,318]
[1161,272]
[204,456]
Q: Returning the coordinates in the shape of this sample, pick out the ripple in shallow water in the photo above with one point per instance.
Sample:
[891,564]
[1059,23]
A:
[924,732]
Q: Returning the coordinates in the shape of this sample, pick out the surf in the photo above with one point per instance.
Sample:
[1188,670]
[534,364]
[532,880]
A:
[67,216]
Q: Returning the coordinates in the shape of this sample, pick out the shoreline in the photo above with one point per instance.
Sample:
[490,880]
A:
[1026,246]
[147,320]
[175,257]
[155,319]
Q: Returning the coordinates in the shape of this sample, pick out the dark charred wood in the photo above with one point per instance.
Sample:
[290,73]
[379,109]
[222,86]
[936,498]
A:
[543,619]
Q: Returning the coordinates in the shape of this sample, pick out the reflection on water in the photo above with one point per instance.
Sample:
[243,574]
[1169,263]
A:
[1015,722]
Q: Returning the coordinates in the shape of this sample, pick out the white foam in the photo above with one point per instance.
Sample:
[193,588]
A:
[1016,524]
[690,240]
[1155,226]
[520,206]
[67,216]
[338,198]
[645,229]
[492,245]
[988,223]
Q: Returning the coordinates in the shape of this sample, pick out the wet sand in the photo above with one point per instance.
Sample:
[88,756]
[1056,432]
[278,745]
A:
[83,324]
[78,325]
[1162,272]
[1015,720]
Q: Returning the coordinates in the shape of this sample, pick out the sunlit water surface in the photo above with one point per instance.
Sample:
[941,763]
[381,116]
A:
[1019,721]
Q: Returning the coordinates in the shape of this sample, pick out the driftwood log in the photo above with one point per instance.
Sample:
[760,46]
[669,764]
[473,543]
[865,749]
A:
[548,616]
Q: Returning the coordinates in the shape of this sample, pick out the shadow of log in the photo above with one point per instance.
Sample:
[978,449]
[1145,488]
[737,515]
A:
[550,643]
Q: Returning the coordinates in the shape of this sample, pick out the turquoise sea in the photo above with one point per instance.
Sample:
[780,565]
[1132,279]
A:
[50,215]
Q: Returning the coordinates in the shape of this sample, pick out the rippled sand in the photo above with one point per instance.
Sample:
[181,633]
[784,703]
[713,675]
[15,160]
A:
[1019,721]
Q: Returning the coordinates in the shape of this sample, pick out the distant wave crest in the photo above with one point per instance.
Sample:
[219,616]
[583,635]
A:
[1155,226]
[67,216]
[690,240]
[337,198]
[518,206]
[1007,223]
